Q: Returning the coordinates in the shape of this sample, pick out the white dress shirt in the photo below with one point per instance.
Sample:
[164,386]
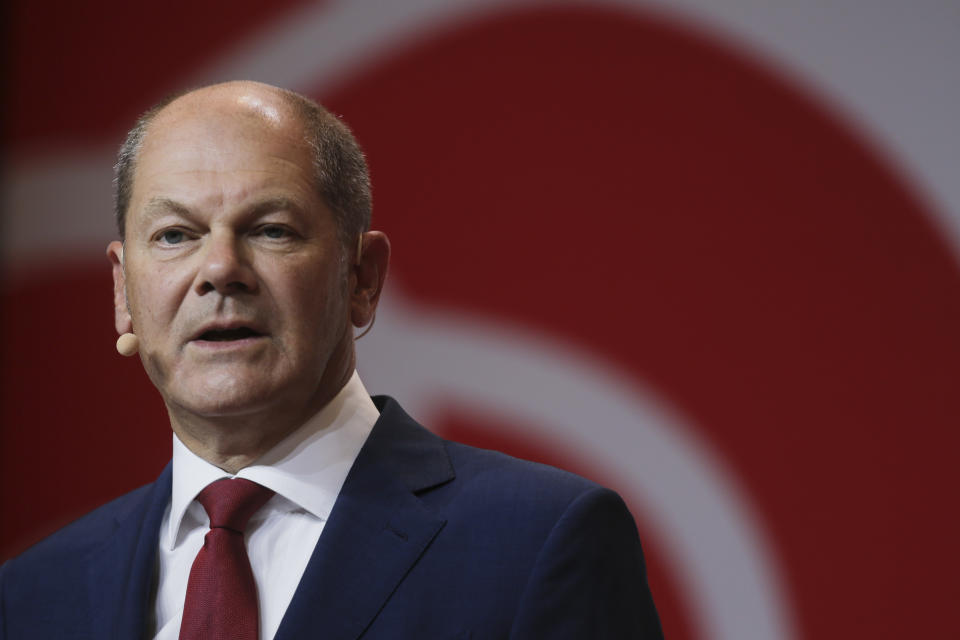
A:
[306,470]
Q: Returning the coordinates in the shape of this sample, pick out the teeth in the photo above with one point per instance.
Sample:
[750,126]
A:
[222,335]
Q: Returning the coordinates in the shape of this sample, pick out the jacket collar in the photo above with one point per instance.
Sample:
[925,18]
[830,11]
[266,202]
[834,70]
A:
[377,532]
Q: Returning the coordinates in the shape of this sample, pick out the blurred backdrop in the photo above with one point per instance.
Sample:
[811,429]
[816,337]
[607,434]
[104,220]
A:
[704,252]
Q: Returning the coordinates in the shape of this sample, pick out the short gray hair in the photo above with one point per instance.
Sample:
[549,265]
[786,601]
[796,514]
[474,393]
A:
[341,174]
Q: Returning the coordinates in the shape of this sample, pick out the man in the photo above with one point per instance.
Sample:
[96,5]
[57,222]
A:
[295,505]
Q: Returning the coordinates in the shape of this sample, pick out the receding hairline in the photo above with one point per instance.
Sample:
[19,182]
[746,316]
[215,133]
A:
[342,174]
[294,103]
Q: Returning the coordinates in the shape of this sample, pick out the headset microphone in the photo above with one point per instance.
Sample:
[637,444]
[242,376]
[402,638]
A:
[128,344]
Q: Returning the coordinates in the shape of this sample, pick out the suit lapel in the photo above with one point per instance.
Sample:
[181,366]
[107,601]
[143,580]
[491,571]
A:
[121,571]
[376,533]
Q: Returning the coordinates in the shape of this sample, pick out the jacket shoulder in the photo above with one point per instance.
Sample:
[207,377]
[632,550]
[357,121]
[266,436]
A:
[499,493]
[80,537]
[425,460]
[485,467]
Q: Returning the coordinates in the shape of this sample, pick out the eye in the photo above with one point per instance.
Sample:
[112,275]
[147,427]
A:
[274,232]
[172,236]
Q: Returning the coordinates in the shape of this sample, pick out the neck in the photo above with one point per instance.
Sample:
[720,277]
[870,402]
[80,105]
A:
[232,442]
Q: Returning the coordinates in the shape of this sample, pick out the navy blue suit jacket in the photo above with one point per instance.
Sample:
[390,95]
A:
[428,539]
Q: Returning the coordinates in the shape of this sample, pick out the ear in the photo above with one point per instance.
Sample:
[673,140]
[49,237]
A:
[121,314]
[369,273]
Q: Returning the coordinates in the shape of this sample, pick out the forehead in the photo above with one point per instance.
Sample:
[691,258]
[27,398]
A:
[222,146]
[255,112]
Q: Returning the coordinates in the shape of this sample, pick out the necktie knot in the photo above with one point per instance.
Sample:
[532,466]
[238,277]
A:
[230,502]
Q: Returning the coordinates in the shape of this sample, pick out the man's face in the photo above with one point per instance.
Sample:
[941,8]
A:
[235,280]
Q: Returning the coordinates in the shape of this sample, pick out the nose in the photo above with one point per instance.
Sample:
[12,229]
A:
[225,266]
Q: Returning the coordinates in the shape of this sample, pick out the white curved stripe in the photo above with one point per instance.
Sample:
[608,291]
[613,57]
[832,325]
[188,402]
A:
[54,206]
[714,541]
[890,70]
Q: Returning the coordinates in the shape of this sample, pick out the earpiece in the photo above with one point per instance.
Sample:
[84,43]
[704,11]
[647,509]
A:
[359,257]
[368,327]
[128,344]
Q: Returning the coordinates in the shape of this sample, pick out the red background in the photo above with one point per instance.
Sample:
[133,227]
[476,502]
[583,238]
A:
[615,181]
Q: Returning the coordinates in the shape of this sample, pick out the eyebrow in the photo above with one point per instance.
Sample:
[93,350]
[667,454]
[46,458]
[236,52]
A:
[159,205]
[270,205]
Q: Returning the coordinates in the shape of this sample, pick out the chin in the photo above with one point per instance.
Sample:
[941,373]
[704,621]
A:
[223,397]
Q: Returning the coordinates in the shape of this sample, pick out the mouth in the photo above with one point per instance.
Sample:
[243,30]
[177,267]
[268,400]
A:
[228,335]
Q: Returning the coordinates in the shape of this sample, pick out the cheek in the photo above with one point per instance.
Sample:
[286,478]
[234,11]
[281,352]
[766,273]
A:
[319,306]
[153,302]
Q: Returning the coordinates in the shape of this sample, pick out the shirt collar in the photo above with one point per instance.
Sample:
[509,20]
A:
[308,467]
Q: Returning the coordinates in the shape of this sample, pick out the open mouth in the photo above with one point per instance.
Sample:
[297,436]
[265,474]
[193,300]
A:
[226,335]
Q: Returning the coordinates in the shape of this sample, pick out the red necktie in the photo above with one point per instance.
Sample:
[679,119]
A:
[221,601]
